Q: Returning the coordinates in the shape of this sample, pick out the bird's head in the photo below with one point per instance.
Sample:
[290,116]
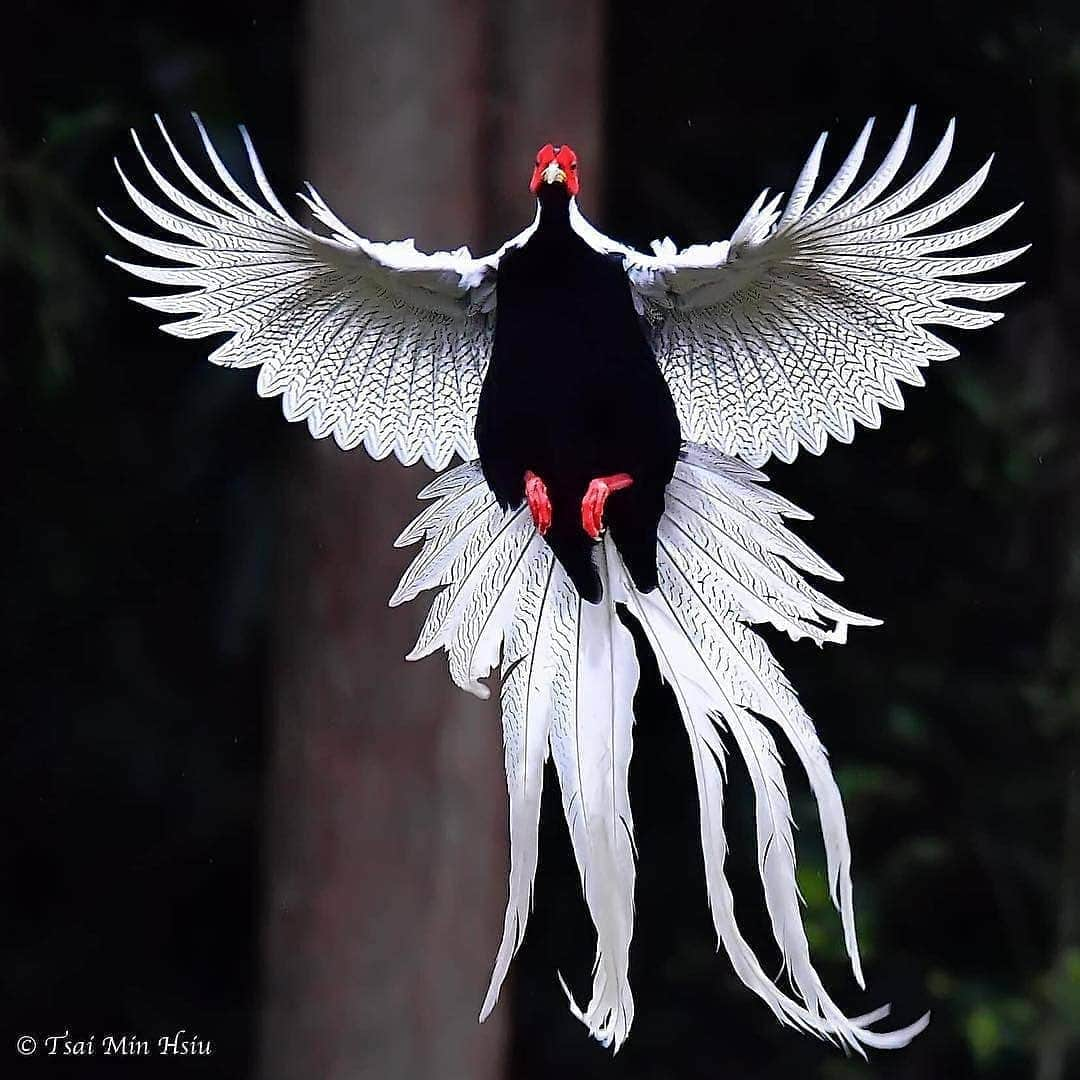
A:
[555,165]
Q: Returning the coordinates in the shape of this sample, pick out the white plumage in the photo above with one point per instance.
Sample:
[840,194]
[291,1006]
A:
[376,344]
[568,678]
[804,322]
[808,319]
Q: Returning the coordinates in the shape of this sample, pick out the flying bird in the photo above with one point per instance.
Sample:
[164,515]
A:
[610,408]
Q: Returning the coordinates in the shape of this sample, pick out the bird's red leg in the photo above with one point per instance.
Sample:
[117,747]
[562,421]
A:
[539,503]
[592,506]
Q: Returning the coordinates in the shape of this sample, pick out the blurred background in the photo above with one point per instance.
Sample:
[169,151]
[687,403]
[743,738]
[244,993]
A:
[235,810]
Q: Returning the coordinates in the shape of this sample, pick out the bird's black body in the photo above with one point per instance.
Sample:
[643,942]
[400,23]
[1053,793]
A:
[573,392]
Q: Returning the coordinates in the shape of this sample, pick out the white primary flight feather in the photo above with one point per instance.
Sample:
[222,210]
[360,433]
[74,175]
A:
[805,321]
[376,344]
[810,319]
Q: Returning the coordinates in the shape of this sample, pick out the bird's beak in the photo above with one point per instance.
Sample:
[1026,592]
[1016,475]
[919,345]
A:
[553,174]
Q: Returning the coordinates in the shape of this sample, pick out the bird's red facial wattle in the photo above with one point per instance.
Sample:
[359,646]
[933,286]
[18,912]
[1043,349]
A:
[555,165]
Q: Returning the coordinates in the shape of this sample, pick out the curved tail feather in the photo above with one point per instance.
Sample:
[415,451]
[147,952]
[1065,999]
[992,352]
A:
[725,561]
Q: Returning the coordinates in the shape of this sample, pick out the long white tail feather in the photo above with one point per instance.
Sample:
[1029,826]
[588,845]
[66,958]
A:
[569,671]
[703,701]
[569,667]
[739,660]
[593,690]
[527,711]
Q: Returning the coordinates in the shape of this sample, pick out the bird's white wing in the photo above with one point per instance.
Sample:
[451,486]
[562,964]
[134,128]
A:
[810,317]
[373,343]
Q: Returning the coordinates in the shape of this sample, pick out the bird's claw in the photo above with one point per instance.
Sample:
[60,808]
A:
[539,503]
[592,505]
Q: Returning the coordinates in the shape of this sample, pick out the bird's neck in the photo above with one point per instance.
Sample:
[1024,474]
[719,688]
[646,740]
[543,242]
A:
[554,202]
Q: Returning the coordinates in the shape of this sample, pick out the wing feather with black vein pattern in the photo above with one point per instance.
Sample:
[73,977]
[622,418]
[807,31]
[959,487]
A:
[372,343]
[809,319]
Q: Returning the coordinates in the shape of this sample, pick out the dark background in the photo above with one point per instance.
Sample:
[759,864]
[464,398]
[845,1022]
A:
[143,495]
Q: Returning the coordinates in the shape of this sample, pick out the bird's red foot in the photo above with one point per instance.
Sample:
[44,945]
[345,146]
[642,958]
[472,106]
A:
[539,503]
[592,506]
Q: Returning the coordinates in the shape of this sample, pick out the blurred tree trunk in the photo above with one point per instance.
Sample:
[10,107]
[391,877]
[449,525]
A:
[386,852]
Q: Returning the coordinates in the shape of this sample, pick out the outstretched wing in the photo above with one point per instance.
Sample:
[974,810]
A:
[808,319]
[374,343]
